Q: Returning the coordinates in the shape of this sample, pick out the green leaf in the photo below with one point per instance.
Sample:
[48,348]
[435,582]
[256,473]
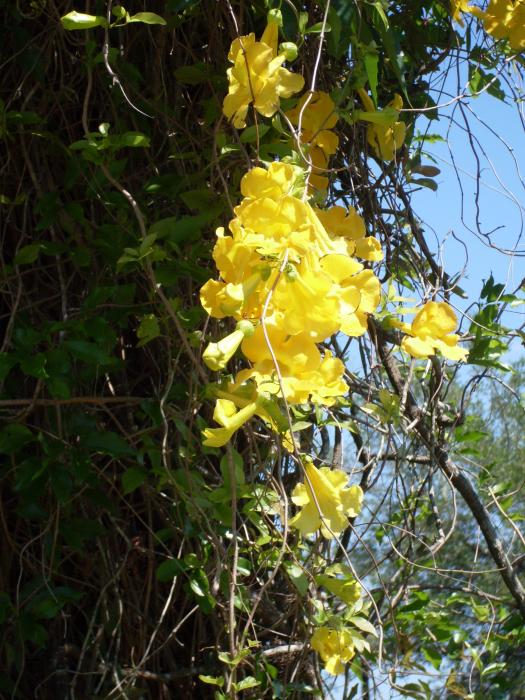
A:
[297,576]
[249,135]
[363,624]
[370,61]
[28,254]
[212,680]
[425,182]
[13,437]
[301,425]
[469,435]
[35,366]
[132,479]
[421,601]
[246,683]
[384,117]
[244,567]
[169,569]
[191,75]
[391,43]
[77,20]
[148,18]
[132,139]
[317,28]
[433,656]
[148,329]
[303,21]
[7,362]
[108,443]
[76,530]
[88,352]
[178,229]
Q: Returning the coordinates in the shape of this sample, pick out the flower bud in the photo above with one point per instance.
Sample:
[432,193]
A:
[246,327]
[216,355]
[289,49]
[275,17]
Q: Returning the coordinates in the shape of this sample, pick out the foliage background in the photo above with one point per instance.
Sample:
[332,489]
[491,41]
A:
[118,547]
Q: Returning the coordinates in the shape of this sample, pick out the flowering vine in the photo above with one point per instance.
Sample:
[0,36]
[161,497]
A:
[291,275]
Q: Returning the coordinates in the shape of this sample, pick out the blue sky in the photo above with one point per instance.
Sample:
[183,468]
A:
[497,139]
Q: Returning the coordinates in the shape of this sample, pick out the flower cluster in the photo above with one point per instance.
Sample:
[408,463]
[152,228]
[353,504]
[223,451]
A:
[291,276]
[315,115]
[432,330]
[258,76]
[297,266]
[385,132]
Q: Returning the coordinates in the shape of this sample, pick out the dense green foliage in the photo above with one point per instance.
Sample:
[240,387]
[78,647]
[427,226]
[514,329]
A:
[134,562]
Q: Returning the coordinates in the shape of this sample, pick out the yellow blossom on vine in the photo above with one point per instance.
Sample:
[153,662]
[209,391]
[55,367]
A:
[326,501]
[305,375]
[504,19]
[385,133]
[220,299]
[274,182]
[318,115]
[335,647]
[431,330]
[456,8]
[317,118]
[347,223]
[308,300]
[339,221]
[217,355]
[230,419]
[257,76]
[359,292]
[235,261]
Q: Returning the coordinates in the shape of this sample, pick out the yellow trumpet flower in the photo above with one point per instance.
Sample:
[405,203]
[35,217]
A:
[431,330]
[257,76]
[335,647]
[326,501]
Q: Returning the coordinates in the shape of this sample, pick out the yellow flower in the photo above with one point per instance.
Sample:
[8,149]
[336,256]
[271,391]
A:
[257,76]
[275,220]
[234,259]
[305,375]
[431,330]
[318,117]
[217,355]
[325,501]
[385,133]
[221,299]
[359,292]
[276,181]
[231,419]
[308,300]
[335,647]
[456,8]
[340,222]
[504,19]
[327,383]
[318,114]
